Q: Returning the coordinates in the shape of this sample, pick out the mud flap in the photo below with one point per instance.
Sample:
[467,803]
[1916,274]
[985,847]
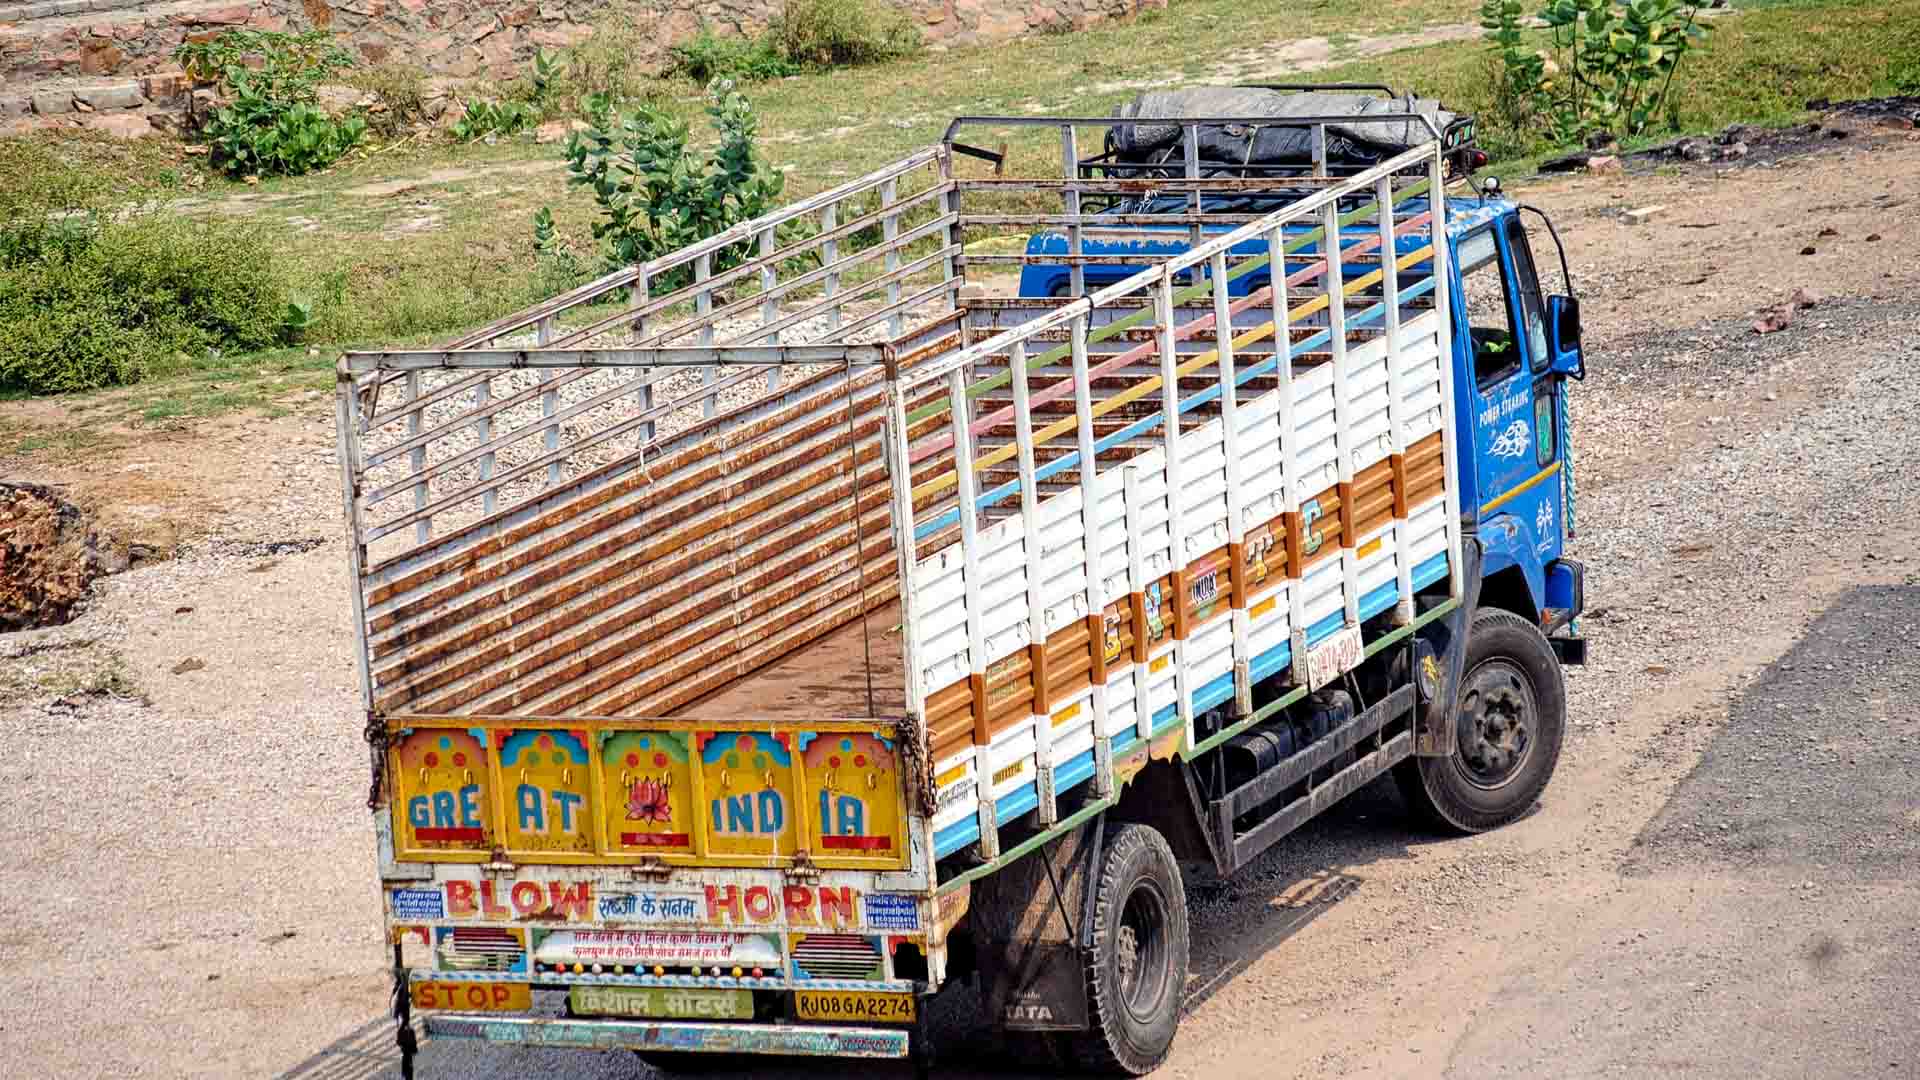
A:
[1037,986]
[1439,679]
[1027,921]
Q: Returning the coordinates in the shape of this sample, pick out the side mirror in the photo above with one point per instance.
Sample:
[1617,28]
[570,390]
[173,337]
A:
[1563,321]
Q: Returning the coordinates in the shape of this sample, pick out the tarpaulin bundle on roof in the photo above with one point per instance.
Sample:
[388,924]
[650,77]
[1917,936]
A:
[1284,142]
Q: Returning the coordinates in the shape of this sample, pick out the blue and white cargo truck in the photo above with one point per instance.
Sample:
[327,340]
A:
[757,640]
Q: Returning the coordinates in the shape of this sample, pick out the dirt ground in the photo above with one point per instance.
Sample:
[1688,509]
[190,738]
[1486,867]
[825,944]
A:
[1719,882]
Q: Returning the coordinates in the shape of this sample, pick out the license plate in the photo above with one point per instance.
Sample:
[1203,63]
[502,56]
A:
[1331,658]
[473,996]
[853,1005]
[663,1003]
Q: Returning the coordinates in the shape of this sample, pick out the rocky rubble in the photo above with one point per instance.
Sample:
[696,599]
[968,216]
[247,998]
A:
[50,556]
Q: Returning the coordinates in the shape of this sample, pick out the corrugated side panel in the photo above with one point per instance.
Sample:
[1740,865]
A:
[1296,571]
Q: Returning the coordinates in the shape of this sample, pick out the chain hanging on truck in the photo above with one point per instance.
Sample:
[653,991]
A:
[914,763]
[376,735]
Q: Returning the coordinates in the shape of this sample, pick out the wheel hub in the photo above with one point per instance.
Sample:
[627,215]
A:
[1126,946]
[1497,720]
[1142,963]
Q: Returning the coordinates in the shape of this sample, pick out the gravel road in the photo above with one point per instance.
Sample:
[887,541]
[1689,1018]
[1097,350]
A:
[190,887]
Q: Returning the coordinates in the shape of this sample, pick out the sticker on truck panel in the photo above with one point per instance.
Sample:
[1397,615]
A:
[892,911]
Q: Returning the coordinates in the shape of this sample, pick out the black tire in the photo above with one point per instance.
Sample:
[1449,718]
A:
[1137,968]
[1512,719]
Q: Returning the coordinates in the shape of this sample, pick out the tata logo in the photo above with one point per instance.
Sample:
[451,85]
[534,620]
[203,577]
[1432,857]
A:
[1029,1012]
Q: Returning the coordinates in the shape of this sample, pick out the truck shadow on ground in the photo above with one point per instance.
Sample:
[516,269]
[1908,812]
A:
[1234,923]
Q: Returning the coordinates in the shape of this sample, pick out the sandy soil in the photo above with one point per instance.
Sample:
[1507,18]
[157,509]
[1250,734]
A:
[190,881]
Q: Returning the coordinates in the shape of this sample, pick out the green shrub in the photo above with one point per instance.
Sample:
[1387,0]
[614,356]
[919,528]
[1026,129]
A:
[484,118]
[608,63]
[272,122]
[1610,65]
[654,195]
[136,294]
[1903,74]
[707,56]
[841,33]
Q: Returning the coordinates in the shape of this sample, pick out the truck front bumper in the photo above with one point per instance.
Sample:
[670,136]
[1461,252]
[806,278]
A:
[673,1036]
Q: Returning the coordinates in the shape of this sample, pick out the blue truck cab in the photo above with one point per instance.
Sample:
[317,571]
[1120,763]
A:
[1514,351]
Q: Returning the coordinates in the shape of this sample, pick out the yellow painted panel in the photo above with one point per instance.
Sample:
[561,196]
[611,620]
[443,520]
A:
[440,793]
[649,785]
[747,780]
[547,796]
[853,782]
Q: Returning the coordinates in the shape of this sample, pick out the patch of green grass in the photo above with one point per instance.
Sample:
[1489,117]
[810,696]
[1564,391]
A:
[1758,67]
[62,440]
[413,262]
[220,384]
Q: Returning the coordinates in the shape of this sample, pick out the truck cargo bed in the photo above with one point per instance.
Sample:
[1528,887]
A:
[826,677]
[803,483]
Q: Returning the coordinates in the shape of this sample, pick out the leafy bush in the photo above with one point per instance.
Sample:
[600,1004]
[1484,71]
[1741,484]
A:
[484,118]
[707,56]
[131,296]
[272,122]
[1515,74]
[839,33]
[609,63]
[1610,65]
[1903,73]
[654,195]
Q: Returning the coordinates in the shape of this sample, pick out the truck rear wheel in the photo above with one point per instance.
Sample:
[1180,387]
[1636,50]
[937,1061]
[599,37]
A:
[1137,966]
[1511,718]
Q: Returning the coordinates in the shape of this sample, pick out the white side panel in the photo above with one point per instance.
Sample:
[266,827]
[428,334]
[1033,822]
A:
[1262,489]
[1316,464]
[1420,377]
[941,612]
[1370,438]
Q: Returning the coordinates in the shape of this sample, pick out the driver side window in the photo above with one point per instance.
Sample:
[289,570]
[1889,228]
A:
[1483,299]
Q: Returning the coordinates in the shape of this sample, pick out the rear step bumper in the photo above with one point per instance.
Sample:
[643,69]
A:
[670,1035]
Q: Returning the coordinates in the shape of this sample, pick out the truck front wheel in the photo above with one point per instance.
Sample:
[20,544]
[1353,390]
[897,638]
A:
[1137,966]
[1511,718]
